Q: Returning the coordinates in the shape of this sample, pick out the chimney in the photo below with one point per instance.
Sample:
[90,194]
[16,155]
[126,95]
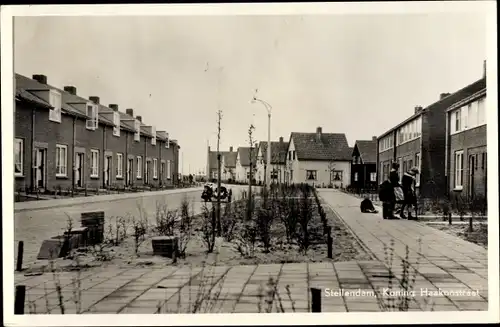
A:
[70,89]
[130,112]
[281,139]
[40,78]
[484,68]
[318,133]
[94,99]
[443,95]
[374,138]
[114,107]
[418,109]
[230,149]
[139,118]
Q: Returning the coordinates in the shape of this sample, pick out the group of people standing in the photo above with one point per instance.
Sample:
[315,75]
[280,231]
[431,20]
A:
[402,194]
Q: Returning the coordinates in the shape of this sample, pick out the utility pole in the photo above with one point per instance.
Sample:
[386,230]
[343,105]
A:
[219,118]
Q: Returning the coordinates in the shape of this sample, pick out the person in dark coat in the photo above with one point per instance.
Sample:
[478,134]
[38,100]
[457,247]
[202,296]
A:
[389,202]
[410,198]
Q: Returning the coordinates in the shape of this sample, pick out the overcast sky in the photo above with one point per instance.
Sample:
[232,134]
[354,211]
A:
[358,75]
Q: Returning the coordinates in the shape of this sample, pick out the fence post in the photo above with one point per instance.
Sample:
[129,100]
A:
[449,218]
[19,299]
[329,242]
[20,252]
[471,228]
[315,300]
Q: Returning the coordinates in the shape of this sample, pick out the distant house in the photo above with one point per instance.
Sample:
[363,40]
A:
[228,164]
[364,164]
[278,159]
[319,159]
[243,163]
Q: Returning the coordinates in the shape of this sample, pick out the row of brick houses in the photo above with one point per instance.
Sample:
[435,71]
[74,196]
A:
[63,141]
[446,140]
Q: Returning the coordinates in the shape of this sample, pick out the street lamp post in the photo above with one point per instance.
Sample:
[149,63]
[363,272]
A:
[268,163]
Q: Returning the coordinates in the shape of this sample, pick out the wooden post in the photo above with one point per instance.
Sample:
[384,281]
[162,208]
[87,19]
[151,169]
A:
[449,218]
[471,228]
[315,300]
[19,299]
[20,252]
[329,242]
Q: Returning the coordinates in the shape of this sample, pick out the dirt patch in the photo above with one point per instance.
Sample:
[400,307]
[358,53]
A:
[478,236]
[282,249]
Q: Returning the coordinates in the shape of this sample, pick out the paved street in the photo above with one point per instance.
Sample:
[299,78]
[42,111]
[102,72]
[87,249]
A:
[33,225]
[450,270]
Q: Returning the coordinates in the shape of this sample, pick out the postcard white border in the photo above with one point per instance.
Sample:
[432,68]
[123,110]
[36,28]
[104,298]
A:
[369,8]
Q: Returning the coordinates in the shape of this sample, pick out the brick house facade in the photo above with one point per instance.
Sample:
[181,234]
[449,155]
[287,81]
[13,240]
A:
[420,141]
[364,164]
[64,141]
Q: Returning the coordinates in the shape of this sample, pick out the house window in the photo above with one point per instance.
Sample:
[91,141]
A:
[119,165]
[337,175]
[481,112]
[459,167]
[289,155]
[61,160]
[92,116]
[153,140]
[373,177]
[137,127]
[293,155]
[94,163]
[456,121]
[248,175]
[167,142]
[168,169]
[355,177]
[483,160]
[274,174]
[18,157]
[472,115]
[56,102]
[155,168]
[139,167]
[116,121]
[417,164]
[311,175]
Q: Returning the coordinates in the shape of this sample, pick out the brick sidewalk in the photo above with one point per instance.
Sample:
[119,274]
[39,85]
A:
[448,263]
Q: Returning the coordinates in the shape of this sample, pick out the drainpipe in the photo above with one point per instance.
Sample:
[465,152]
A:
[160,175]
[446,156]
[126,160]
[74,153]
[103,154]
[33,152]
[146,168]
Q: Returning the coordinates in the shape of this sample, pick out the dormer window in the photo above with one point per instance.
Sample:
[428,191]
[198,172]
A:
[137,135]
[153,140]
[55,100]
[92,116]
[116,121]
[167,142]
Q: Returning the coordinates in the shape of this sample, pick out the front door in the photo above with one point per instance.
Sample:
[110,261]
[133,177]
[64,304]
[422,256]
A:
[470,169]
[107,171]
[39,167]
[146,173]
[130,164]
[79,160]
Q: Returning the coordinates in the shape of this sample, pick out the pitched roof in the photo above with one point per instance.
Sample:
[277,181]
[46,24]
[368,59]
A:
[24,95]
[244,153]
[367,150]
[278,151]
[229,158]
[330,146]
[445,102]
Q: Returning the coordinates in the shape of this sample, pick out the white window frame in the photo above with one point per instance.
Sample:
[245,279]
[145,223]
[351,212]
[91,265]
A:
[168,169]
[167,142]
[457,120]
[119,165]
[137,135]
[139,167]
[481,112]
[373,177]
[94,170]
[155,168]
[18,142]
[459,169]
[55,100]
[355,177]
[116,121]
[315,173]
[93,117]
[61,162]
